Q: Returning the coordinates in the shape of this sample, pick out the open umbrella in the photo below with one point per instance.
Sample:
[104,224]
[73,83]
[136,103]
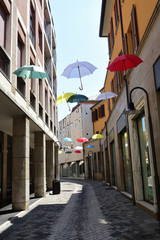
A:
[77,98]
[66,147]
[64,97]
[97,136]
[82,139]
[31,71]
[106,95]
[78,70]
[78,148]
[90,146]
[67,139]
[124,62]
[77,151]
[68,152]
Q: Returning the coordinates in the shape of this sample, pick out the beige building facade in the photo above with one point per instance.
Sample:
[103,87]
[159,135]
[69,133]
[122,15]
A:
[28,113]
[76,125]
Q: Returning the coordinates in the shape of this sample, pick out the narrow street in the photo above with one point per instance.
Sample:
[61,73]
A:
[85,210]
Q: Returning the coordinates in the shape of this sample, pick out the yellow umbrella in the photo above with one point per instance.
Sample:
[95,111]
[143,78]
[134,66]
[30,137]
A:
[97,136]
[64,97]
[60,151]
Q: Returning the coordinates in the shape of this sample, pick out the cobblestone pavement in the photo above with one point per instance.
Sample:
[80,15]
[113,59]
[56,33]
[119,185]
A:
[84,210]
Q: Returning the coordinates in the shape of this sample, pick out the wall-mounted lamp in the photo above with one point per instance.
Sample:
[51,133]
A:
[131,109]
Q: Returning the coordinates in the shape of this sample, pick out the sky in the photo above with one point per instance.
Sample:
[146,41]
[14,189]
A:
[77,24]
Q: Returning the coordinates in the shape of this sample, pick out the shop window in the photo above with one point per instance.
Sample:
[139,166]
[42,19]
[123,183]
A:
[114,169]
[126,162]
[145,160]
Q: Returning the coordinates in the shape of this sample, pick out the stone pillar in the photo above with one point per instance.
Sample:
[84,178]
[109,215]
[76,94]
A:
[40,164]
[50,163]
[20,164]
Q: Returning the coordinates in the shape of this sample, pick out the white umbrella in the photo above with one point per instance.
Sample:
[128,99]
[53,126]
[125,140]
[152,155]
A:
[78,148]
[78,70]
[106,95]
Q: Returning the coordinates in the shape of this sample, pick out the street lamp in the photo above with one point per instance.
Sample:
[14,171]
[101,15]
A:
[131,110]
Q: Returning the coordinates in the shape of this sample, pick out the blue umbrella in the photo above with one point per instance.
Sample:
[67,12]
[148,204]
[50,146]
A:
[90,146]
[67,139]
[77,98]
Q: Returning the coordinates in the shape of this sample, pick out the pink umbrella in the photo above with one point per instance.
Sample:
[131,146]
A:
[82,139]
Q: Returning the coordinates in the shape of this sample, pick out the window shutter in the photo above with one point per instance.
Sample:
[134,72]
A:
[116,77]
[99,112]
[109,45]
[112,89]
[96,114]
[116,15]
[102,111]
[125,44]
[112,32]
[134,29]
[109,105]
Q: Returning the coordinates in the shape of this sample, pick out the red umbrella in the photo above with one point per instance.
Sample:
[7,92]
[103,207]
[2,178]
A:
[77,151]
[124,62]
[82,139]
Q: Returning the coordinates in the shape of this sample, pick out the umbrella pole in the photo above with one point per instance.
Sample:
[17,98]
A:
[81,87]
[127,95]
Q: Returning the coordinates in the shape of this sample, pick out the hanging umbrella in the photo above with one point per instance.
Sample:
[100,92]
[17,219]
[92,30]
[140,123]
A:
[66,147]
[78,148]
[97,136]
[60,151]
[68,152]
[124,62]
[106,95]
[31,71]
[64,97]
[77,98]
[67,139]
[77,151]
[78,70]
[90,146]
[82,139]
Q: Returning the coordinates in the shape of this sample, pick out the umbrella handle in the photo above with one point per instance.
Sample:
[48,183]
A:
[81,87]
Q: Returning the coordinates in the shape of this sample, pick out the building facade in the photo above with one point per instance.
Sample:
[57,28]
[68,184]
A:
[76,125]
[131,146]
[28,122]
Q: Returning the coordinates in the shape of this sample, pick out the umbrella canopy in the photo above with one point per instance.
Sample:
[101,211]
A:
[60,151]
[77,98]
[82,139]
[106,95]
[67,139]
[64,97]
[90,146]
[124,62]
[78,70]
[31,71]
[66,147]
[97,136]
[78,148]
[68,152]
[77,151]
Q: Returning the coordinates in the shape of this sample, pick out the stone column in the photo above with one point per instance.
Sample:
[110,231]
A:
[40,164]
[20,167]
[50,163]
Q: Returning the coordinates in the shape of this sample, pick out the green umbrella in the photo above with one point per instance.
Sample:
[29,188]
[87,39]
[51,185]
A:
[77,98]
[31,71]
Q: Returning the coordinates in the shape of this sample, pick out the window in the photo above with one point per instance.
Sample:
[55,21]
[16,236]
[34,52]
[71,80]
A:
[32,24]
[109,45]
[40,91]
[112,33]
[116,14]
[75,124]
[125,44]
[109,105]
[95,163]
[4,62]
[101,111]
[99,162]
[135,40]
[145,160]
[21,86]
[94,115]
[3,26]
[39,37]
[63,132]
